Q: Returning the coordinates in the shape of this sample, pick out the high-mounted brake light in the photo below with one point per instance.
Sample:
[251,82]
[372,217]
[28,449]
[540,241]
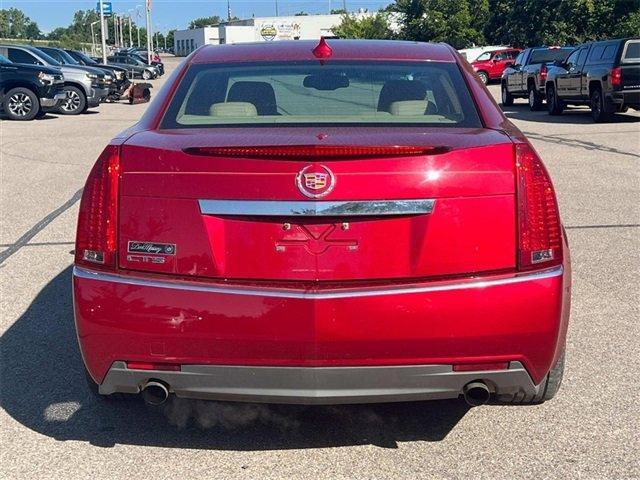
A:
[543,73]
[317,151]
[539,228]
[96,238]
[322,50]
[616,76]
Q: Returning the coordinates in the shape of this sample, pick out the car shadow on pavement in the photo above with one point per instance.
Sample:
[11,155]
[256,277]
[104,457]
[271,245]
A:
[43,388]
[571,115]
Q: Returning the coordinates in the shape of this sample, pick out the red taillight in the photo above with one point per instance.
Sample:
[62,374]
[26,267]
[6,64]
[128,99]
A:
[539,229]
[316,151]
[543,73]
[616,76]
[96,238]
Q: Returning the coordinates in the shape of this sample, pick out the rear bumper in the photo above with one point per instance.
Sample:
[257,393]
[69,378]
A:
[629,98]
[203,326]
[322,385]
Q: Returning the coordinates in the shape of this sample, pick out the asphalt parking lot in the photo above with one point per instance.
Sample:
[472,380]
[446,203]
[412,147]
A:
[51,426]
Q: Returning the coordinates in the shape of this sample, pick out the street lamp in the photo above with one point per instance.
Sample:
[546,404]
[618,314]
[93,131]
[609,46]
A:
[138,15]
[130,42]
[93,38]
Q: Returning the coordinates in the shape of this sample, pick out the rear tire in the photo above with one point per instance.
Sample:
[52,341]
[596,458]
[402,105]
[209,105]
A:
[484,77]
[75,103]
[507,98]
[21,104]
[598,111]
[535,100]
[554,104]
[548,388]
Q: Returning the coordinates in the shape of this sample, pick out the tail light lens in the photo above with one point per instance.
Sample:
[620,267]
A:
[96,238]
[539,229]
[616,76]
[543,73]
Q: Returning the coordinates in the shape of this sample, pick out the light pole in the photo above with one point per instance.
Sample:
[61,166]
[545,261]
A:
[121,24]
[115,30]
[93,37]
[138,15]
[149,33]
[130,42]
[104,40]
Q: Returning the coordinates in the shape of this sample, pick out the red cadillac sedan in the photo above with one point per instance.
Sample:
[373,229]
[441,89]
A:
[332,222]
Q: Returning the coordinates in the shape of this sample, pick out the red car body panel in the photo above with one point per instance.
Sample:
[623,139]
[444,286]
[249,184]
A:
[159,202]
[526,322]
[244,302]
[494,68]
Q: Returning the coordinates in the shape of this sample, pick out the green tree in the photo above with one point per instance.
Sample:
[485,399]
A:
[526,23]
[374,26]
[15,24]
[439,21]
[205,22]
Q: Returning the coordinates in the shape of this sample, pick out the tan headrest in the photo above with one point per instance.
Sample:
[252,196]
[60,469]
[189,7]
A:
[408,107]
[233,109]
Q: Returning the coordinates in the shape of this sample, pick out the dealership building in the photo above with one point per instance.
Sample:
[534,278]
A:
[265,29]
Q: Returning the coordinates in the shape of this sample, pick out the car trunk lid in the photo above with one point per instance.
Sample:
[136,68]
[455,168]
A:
[445,206]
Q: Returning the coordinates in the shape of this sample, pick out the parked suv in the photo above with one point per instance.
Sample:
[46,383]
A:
[114,79]
[142,56]
[28,90]
[604,75]
[490,65]
[527,76]
[121,76]
[85,87]
[136,67]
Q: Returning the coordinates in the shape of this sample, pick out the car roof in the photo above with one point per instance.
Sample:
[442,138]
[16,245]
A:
[300,50]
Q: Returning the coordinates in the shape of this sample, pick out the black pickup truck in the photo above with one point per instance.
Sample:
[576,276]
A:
[527,76]
[27,91]
[604,75]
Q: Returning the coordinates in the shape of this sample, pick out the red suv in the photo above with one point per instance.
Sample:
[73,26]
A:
[332,223]
[490,65]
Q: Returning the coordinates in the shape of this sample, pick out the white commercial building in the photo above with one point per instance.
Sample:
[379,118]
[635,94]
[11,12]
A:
[265,29]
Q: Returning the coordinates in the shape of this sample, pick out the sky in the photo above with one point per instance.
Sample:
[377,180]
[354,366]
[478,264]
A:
[176,14]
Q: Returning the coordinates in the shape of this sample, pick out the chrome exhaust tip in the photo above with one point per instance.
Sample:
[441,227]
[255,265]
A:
[476,393]
[155,393]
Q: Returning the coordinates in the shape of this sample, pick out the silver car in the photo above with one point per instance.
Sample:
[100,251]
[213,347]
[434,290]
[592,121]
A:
[85,87]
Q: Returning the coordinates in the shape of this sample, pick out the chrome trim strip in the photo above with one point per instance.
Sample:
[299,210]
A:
[315,209]
[81,272]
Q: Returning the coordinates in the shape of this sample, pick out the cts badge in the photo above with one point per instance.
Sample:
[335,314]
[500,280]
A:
[315,181]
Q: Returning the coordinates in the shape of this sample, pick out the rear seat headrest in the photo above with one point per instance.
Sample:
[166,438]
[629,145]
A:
[233,109]
[400,90]
[413,107]
[260,94]
[408,107]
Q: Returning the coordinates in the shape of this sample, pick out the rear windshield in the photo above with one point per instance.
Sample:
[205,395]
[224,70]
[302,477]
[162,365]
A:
[632,51]
[312,93]
[550,55]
